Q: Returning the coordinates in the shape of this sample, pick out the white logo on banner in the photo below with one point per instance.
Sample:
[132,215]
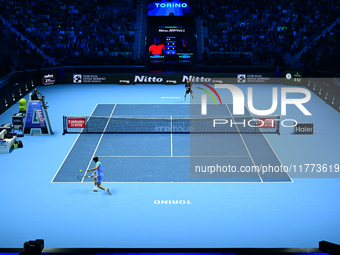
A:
[241,78]
[77,78]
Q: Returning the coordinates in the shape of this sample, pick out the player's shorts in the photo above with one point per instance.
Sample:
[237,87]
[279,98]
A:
[188,91]
[100,178]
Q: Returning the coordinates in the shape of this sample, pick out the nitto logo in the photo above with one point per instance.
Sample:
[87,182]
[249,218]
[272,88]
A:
[171,5]
[144,78]
[238,100]
[195,79]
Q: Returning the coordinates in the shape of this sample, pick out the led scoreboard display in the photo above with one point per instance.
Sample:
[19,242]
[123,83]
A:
[293,76]
[170,47]
[171,43]
[170,35]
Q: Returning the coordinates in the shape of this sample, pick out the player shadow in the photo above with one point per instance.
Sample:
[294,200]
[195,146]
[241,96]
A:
[81,191]
[113,191]
[89,190]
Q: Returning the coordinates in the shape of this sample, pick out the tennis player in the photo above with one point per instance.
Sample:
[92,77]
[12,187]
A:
[188,89]
[98,169]
[157,48]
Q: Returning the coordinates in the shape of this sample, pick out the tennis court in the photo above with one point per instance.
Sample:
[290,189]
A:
[240,210]
[133,156]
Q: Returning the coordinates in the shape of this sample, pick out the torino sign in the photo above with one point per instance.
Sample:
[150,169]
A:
[171,5]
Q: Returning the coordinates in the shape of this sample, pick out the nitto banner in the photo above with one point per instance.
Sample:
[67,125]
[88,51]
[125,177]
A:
[165,78]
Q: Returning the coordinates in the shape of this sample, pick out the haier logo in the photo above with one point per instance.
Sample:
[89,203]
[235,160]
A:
[304,128]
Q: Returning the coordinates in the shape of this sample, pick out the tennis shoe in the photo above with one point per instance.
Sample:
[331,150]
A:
[95,190]
[183,99]
[108,190]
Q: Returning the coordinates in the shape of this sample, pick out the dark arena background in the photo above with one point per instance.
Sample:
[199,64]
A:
[245,162]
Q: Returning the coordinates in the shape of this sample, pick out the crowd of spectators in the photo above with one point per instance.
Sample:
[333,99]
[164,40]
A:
[101,32]
[6,62]
[267,30]
[98,32]
[324,54]
[15,54]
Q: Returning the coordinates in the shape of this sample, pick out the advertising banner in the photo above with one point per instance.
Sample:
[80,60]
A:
[304,128]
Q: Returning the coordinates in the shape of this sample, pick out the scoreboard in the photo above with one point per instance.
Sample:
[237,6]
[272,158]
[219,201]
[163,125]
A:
[178,41]
[293,77]
[171,39]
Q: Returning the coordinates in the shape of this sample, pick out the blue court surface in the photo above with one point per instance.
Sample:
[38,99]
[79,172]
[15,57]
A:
[169,157]
[162,196]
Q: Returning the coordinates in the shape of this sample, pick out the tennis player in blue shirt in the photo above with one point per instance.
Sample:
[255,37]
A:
[98,169]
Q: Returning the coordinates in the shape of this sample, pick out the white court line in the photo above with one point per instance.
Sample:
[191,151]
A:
[182,182]
[70,150]
[171,145]
[271,146]
[171,153]
[101,137]
[244,142]
[173,156]
[148,103]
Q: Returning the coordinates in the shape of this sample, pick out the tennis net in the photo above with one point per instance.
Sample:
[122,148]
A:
[198,124]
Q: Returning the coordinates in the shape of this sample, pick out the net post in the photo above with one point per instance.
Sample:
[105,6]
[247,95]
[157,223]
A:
[256,121]
[170,124]
[63,125]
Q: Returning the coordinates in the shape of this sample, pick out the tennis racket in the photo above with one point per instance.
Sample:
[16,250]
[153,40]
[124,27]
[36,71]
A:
[82,177]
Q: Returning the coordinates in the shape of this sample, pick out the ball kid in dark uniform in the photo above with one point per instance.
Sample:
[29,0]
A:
[188,89]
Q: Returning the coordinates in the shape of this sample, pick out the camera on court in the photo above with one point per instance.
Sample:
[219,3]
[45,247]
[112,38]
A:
[33,247]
